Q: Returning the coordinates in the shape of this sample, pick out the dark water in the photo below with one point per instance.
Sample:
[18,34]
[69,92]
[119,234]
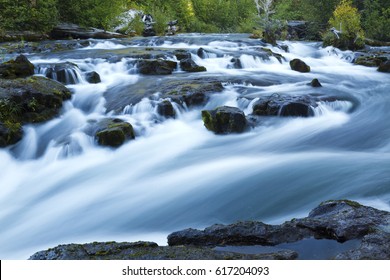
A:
[57,186]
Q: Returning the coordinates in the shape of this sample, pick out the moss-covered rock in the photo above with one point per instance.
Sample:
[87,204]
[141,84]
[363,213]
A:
[156,66]
[315,83]
[21,67]
[224,120]
[10,133]
[299,65]
[190,66]
[31,100]
[113,132]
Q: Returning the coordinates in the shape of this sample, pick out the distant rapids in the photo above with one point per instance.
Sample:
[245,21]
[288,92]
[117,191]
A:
[58,186]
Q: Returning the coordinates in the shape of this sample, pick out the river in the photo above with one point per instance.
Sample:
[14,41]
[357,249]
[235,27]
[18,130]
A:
[58,186]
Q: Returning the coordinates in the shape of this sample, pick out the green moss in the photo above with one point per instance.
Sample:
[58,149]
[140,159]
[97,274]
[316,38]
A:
[346,201]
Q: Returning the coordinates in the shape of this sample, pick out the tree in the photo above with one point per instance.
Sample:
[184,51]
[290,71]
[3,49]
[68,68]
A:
[376,19]
[264,6]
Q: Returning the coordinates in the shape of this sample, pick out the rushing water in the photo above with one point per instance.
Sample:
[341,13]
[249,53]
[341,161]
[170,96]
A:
[58,186]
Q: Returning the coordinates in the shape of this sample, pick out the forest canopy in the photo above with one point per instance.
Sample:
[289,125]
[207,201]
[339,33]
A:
[193,15]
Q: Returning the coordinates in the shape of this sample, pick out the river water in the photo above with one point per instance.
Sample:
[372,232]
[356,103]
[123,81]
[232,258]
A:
[58,186]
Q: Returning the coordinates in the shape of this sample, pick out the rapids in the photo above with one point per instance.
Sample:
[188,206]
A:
[58,186]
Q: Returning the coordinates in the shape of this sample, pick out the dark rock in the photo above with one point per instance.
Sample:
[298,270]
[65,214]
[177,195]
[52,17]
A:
[93,77]
[10,133]
[369,61]
[66,31]
[224,120]
[299,65]
[285,106]
[182,54]
[149,32]
[31,100]
[384,67]
[190,66]
[270,53]
[66,73]
[166,109]
[21,67]
[315,83]
[297,29]
[156,67]
[148,251]
[236,63]
[340,220]
[113,132]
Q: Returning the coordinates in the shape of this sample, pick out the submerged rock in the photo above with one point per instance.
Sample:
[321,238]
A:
[113,132]
[224,120]
[299,65]
[285,106]
[156,66]
[65,73]
[21,67]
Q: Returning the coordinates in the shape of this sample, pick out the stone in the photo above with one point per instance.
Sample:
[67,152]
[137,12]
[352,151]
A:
[93,77]
[66,73]
[156,66]
[166,109]
[299,66]
[189,65]
[21,67]
[285,106]
[10,133]
[384,67]
[142,250]
[67,30]
[315,83]
[224,120]
[113,132]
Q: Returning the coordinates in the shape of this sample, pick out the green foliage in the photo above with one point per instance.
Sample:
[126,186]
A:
[289,10]
[376,19]
[38,15]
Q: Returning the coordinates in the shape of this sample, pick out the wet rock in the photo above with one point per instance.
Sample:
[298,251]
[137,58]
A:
[315,83]
[369,61]
[190,66]
[93,77]
[166,109]
[31,100]
[285,106]
[156,66]
[340,220]
[224,120]
[10,133]
[182,54]
[66,73]
[66,31]
[147,251]
[21,67]
[384,67]
[236,63]
[113,132]
[299,65]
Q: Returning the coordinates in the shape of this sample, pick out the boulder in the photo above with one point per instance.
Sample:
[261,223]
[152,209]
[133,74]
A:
[148,251]
[21,67]
[93,77]
[189,65]
[156,66]
[384,67]
[113,132]
[224,120]
[299,66]
[182,54]
[285,106]
[31,100]
[165,109]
